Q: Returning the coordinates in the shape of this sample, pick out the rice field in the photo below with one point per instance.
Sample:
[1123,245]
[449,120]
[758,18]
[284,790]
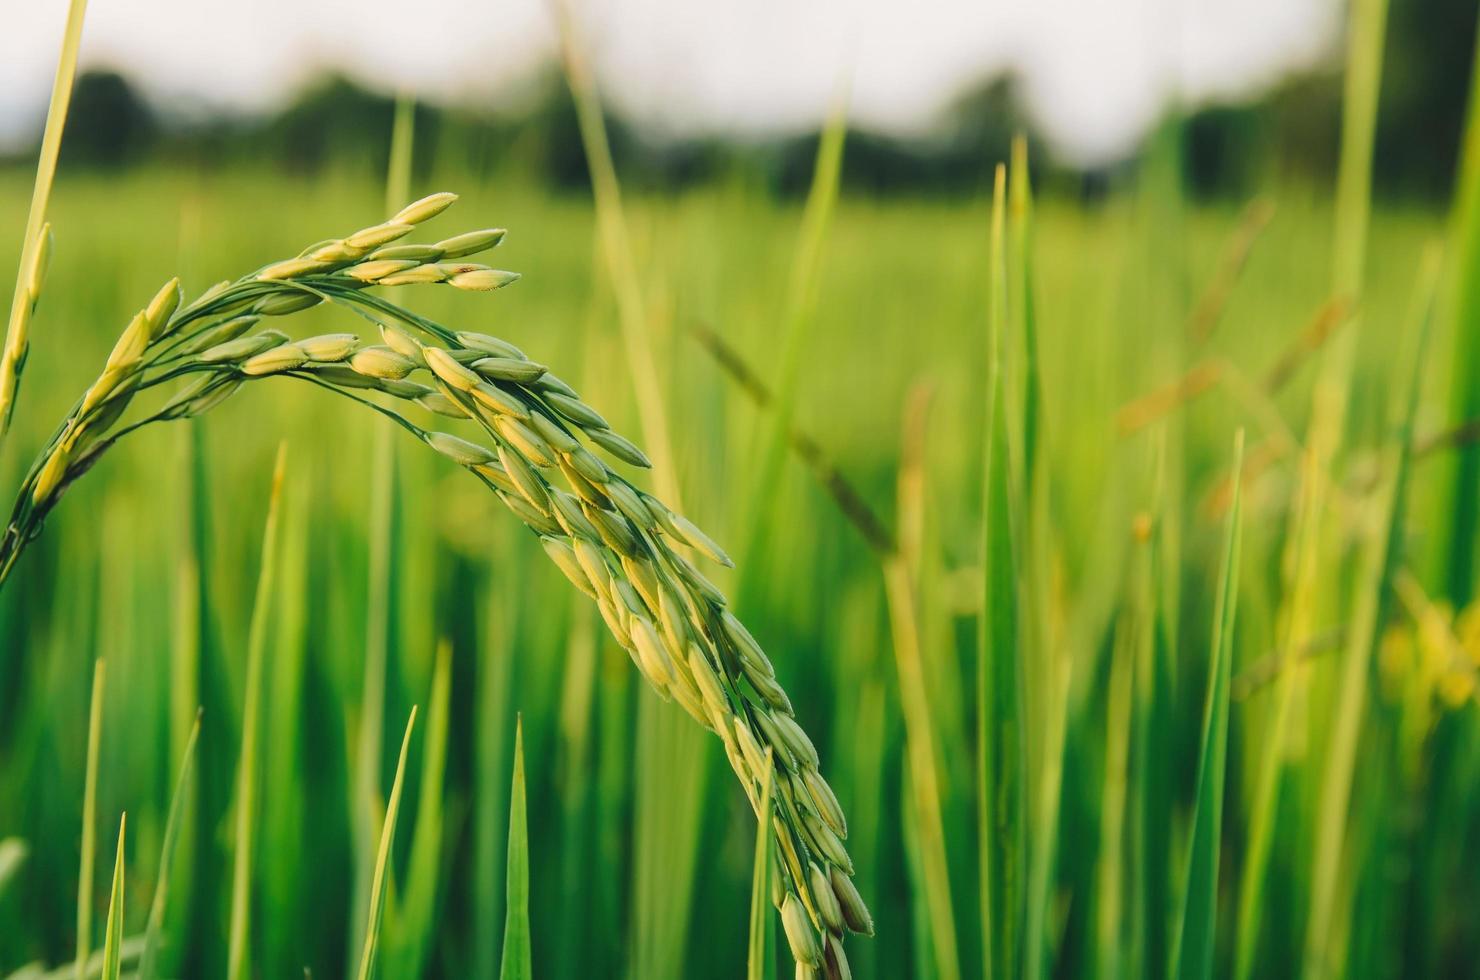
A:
[1115,554]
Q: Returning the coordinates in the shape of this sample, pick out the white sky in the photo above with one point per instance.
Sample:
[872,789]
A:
[1097,72]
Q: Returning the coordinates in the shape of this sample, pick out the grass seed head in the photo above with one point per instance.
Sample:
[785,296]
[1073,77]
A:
[470,243]
[287,357]
[425,209]
[799,933]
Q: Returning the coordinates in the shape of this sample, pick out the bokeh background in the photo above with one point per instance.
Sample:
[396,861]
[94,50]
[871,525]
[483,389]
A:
[1183,157]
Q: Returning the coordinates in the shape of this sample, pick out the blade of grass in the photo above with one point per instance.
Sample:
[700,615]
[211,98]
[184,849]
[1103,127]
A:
[924,773]
[89,819]
[239,942]
[1111,880]
[758,964]
[113,934]
[797,317]
[517,963]
[1464,394]
[415,912]
[382,859]
[1044,833]
[1000,804]
[1195,937]
[149,963]
[1368,616]
[13,358]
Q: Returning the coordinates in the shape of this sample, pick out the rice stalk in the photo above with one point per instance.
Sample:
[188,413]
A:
[36,245]
[370,949]
[517,962]
[238,955]
[1195,939]
[113,934]
[149,960]
[89,820]
[1372,599]
[757,966]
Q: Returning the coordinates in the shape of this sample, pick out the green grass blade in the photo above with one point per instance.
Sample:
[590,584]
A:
[383,858]
[149,964]
[760,886]
[28,276]
[89,819]
[1110,885]
[797,317]
[1464,394]
[517,963]
[113,934]
[1000,803]
[1023,307]
[398,170]
[416,911]
[1363,635]
[238,943]
[1195,938]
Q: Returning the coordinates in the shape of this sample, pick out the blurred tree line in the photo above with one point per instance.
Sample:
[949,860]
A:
[1290,132]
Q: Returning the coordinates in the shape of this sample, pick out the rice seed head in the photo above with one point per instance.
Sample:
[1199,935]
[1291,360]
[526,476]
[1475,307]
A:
[771,693]
[449,370]
[412,253]
[752,657]
[613,530]
[212,398]
[499,401]
[294,268]
[824,801]
[375,270]
[402,343]
[425,209]
[690,535]
[584,462]
[576,411]
[567,511]
[805,972]
[459,450]
[242,347]
[552,432]
[381,362]
[417,275]
[655,662]
[482,280]
[132,343]
[329,348]
[828,908]
[532,516]
[287,357]
[523,438]
[286,302]
[799,933]
[620,448]
[825,842]
[779,749]
[564,557]
[531,487]
[491,346]
[750,747]
[508,369]
[796,740]
[50,475]
[835,962]
[219,334]
[402,389]
[108,383]
[331,253]
[470,243]
[708,683]
[377,235]
[440,404]
[162,307]
[855,911]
